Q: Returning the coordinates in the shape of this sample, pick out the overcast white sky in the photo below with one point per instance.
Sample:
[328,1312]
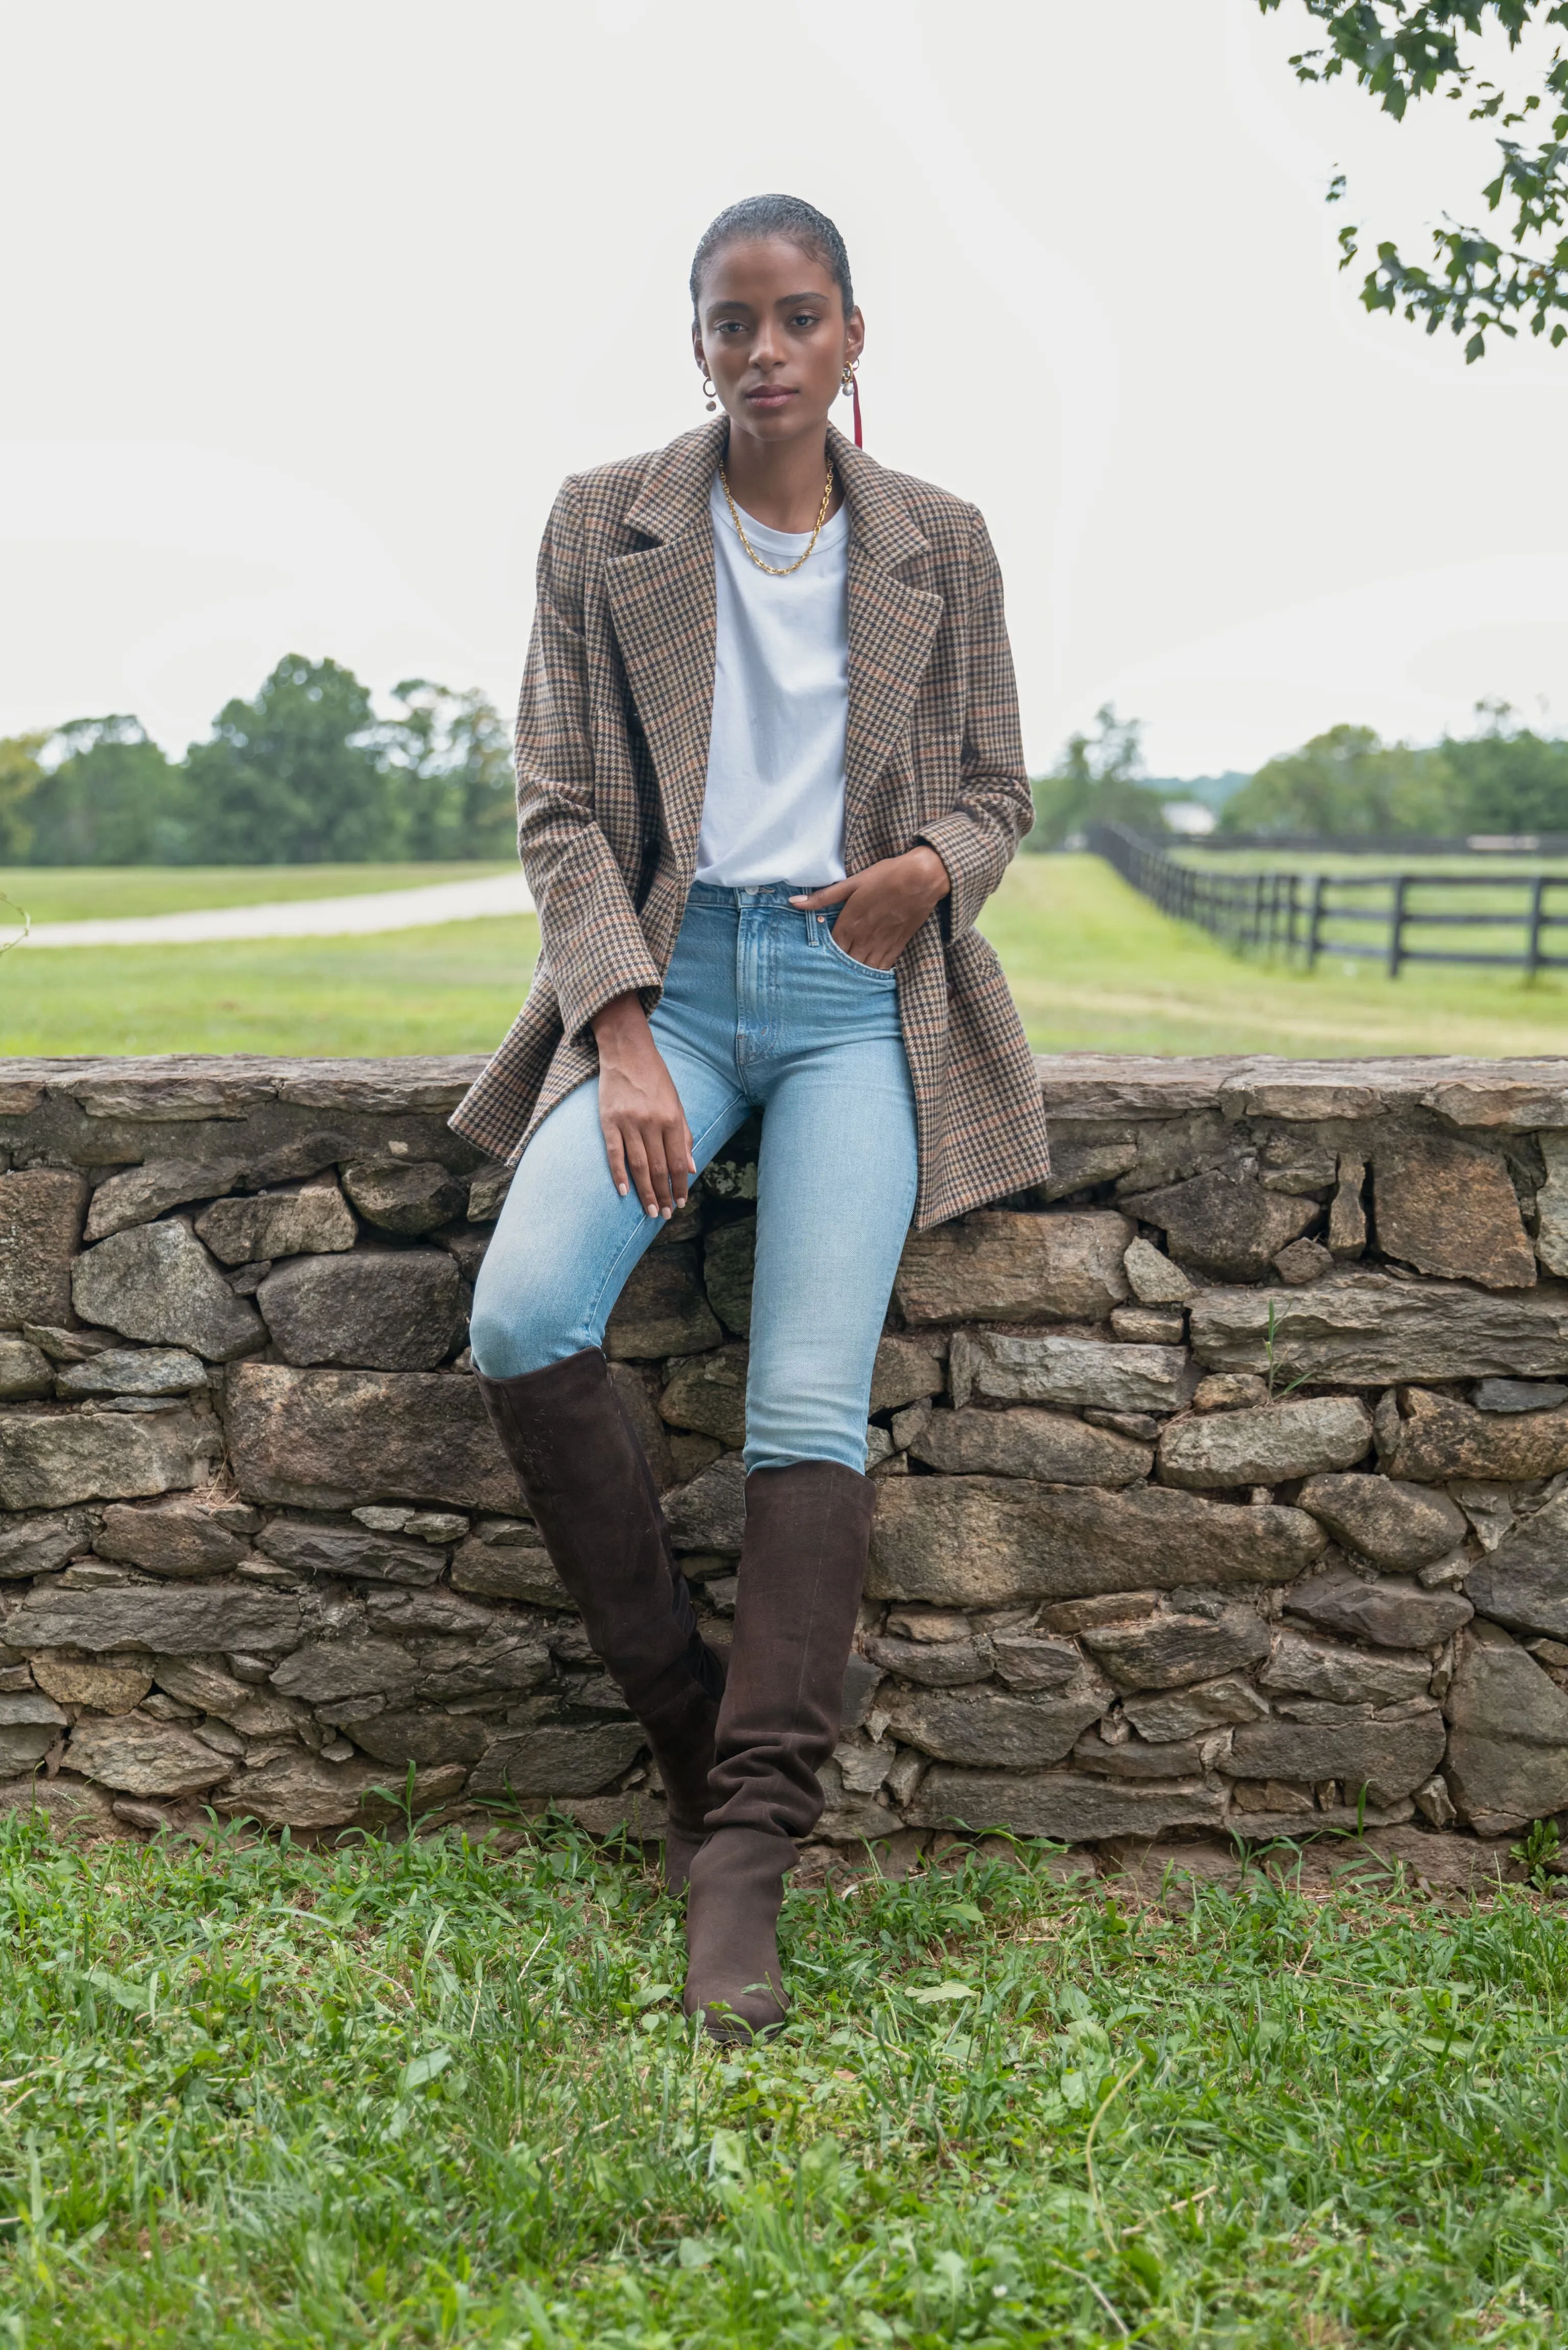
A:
[310,304]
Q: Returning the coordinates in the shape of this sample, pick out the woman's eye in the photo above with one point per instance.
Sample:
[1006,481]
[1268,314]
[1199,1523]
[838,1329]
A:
[806,319]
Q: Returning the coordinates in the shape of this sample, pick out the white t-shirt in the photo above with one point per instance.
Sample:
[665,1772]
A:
[773,810]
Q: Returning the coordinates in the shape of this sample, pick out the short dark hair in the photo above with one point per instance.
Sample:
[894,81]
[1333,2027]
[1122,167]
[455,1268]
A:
[786,216]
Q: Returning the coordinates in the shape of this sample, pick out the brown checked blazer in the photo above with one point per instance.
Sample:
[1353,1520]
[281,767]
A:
[612,762]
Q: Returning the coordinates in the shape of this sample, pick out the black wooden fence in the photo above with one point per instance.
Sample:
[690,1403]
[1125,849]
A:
[1417,917]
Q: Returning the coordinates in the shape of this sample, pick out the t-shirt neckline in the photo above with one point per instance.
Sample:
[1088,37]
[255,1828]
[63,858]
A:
[779,542]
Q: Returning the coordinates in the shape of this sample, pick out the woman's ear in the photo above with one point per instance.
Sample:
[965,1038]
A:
[853,335]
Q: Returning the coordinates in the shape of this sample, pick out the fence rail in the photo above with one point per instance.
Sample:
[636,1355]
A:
[1301,916]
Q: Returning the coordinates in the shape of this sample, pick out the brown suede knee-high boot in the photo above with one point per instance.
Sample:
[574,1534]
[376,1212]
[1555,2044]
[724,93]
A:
[586,1478]
[808,1528]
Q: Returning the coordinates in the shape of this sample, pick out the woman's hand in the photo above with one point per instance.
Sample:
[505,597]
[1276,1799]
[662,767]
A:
[884,906]
[647,1140]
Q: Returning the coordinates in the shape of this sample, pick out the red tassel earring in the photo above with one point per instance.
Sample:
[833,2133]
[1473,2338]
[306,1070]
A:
[852,391]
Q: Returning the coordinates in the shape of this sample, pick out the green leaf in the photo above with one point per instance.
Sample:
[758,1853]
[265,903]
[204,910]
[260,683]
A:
[935,1992]
[425,2068]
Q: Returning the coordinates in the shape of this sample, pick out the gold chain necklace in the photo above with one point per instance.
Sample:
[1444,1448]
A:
[777,571]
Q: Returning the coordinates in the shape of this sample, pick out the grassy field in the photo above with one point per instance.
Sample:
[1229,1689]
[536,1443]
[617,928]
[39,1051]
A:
[1093,966]
[401,2095]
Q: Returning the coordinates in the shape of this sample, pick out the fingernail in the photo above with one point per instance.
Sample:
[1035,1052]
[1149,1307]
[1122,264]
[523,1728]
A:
[622,1189]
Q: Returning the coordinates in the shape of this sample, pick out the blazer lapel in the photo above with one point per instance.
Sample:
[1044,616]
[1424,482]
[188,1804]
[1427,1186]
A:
[892,626]
[662,602]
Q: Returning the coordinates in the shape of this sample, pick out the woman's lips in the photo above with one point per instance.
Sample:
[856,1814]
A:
[771,395]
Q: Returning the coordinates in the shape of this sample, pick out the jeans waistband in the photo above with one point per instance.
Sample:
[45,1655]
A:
[767,893]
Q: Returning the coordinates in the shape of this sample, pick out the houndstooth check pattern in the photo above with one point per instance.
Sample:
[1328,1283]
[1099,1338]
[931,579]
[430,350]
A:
[612,759]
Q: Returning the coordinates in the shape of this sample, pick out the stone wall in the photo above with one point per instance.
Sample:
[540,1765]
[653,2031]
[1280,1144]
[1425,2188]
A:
[1223,1483]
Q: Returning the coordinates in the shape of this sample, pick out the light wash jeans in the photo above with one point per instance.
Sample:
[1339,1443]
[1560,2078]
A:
[759,1011]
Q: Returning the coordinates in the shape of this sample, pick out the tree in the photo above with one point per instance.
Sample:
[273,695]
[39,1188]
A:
[1400,50]
[297,776]
[110,797]
[1095,781]
[1347,780]
[449,766]
[1511,780]
[20,776]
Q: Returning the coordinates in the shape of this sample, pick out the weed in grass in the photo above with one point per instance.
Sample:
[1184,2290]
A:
[405,2093]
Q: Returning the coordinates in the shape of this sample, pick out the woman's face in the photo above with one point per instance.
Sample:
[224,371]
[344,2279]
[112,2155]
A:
[771,332]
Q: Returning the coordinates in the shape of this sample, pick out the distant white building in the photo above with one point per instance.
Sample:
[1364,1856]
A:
[1189,816]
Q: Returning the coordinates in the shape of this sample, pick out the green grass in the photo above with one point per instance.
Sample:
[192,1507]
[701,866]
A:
[403,2095]
[1092,966]
[87,893]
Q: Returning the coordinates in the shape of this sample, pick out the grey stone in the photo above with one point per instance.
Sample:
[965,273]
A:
[1524,1583]
[102,1689]
[1303,1262]
[1031,1660]
[1393,1614]
[409,1199]
[25,1744]
[1265,1447]
[662,1309]
[988,1542]
[177,1620]
[1385,1520]
[1449,1208]
[1508,1746]
[709,1514]
[40,1225]
[76,1346]
[402,1735]
[862,1678]
[1321,1669]
[1070,1806]
[29,1707]
[134,1371]
[26,1372]
[945,1664]
[359,1665]
[1149,1326]
[1169,1150]
[181,1539]
[71,1806]
[1082,1156]
[308,1220]
[1169,1652]
[935,1627]
[1074,1372]
[349,1551]
[1194,1712]
[203,1682]
[556,1759]
[509,1571]
[1009,1265]
[378,1309]
[37,1545]
[1552,1204]
[1132,1759]
[1346,1213]
[729,1262]
[708,1392]
[1223,1223]
[1372,1329]
[1297,1164]
[487,1193]
[907,1371]
[1230,1391]
[1387,1759]
[1155,1280]
[143,1757]
[1519,1395]
[989,1727]
[326,1440]
[431,1526]
[306,1791]
[1435,1439]
[143,1193]
[50,1459]
[157,1283]
[1024,1443]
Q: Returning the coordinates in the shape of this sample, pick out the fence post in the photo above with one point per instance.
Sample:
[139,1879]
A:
[1532,945]
[1293,895]
[1314,922]
[1396,928]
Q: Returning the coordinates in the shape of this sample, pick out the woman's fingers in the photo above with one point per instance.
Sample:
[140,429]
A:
[615,1153]
[832,895]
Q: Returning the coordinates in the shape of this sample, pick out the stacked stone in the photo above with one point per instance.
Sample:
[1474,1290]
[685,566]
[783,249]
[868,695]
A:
[1223,1483]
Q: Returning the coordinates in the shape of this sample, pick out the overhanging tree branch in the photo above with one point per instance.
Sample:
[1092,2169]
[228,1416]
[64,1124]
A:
[1399,52]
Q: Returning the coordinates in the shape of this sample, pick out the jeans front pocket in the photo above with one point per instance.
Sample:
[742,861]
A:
[866,969]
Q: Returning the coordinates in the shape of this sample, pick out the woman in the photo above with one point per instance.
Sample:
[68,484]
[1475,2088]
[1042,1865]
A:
[768,772]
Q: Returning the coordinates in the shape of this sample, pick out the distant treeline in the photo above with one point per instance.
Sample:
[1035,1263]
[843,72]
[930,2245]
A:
[305,774]
[1504,778]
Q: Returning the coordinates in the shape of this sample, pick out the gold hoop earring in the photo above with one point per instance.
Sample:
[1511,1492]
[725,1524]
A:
[712,396]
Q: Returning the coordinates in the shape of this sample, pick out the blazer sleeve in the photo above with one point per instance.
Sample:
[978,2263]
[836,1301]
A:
[977,838]
[594,948]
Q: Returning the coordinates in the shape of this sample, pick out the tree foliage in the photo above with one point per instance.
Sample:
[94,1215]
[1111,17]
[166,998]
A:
[303,773]
[1096,780]
[1505,778]
[1401,50]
